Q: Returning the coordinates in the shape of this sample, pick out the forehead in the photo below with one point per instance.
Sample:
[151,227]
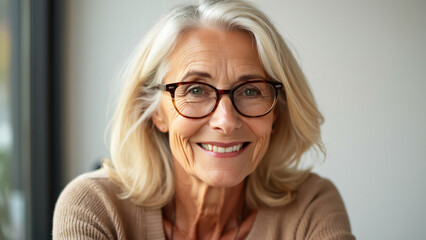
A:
[215,39]
[215,51]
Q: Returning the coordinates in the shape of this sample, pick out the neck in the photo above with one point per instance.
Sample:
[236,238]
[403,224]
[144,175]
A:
[202,211]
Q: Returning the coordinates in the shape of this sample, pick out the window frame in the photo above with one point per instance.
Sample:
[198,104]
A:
[45,114]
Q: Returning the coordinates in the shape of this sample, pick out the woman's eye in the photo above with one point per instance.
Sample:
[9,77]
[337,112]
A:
[251,92]
[196,91]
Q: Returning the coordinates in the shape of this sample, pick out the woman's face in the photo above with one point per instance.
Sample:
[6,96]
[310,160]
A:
[222,59]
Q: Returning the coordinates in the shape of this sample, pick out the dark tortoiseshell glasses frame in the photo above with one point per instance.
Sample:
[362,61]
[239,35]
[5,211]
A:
[171,88]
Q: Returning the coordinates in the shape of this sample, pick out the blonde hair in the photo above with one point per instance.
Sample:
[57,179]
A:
[140,154]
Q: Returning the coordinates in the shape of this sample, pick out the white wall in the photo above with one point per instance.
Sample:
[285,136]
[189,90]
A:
[366,64]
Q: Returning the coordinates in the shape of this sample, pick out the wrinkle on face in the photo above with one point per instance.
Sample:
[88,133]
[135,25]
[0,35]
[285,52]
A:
[183,150]
[213,56]
[179,144]
[223,63]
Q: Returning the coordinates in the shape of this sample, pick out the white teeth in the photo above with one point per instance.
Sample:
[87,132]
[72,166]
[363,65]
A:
[213,148]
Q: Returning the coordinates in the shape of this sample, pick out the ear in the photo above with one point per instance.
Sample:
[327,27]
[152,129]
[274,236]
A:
[276,113]
[160,122]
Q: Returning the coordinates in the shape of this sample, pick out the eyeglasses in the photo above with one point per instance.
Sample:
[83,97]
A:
[197,100]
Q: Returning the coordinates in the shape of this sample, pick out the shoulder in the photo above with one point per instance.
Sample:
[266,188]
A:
[318,212]
[90,185]
[96,180]
[89,190]
[322,211]
[90,206]
[316,187]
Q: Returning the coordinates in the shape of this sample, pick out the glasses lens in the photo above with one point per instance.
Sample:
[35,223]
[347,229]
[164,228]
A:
[254,98]
[195,99]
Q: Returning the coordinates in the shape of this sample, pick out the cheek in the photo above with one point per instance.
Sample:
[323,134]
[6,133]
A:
[262,130]
[180,132]
[181,149]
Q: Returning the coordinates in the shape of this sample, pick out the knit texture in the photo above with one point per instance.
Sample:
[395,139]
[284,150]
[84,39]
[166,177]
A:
[89,208]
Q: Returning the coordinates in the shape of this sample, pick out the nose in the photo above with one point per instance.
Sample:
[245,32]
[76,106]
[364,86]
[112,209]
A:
[225,118]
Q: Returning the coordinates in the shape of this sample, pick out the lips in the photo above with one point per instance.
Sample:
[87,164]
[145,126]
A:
[222,148]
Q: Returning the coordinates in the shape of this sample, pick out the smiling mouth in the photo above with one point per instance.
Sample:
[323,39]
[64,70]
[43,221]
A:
[218,149]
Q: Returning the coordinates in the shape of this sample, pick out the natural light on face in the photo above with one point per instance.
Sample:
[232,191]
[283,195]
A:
[225,147]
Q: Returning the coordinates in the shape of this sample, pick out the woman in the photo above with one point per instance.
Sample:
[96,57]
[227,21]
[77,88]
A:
[207,137]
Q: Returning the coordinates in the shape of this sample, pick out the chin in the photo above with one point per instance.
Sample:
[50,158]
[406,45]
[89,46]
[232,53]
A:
[221,179]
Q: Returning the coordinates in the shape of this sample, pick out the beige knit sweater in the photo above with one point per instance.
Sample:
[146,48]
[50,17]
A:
[89,208]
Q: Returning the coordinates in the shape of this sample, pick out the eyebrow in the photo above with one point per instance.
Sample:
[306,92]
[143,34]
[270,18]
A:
[242,78]
[250,77]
